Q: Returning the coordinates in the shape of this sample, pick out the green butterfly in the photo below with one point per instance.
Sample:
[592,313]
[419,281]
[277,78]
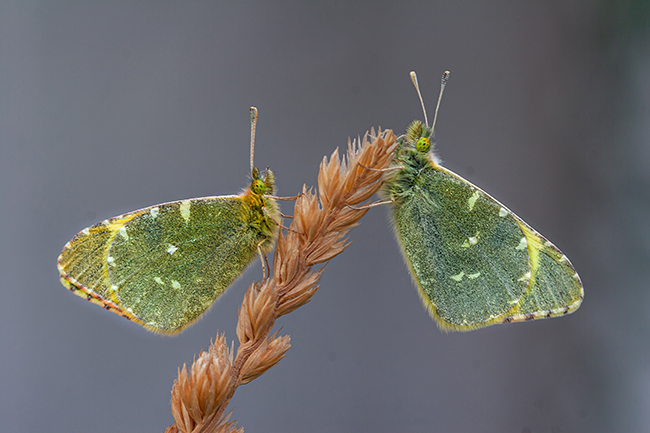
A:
[163,266]
[474,262]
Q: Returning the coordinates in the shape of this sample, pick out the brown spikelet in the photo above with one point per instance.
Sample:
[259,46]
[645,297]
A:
[197,394]
[318,233]
[270,352]
[255,313]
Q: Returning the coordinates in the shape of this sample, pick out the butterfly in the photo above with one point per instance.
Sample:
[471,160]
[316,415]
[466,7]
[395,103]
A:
[163,266]
[475,263]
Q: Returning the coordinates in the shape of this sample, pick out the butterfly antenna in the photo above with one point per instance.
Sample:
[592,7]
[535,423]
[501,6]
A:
[253,126]
[443,83]
[414,80]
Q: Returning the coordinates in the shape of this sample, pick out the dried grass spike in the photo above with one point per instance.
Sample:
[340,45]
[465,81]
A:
[319,230]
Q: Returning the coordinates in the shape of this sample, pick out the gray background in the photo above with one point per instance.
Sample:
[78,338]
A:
[111,106]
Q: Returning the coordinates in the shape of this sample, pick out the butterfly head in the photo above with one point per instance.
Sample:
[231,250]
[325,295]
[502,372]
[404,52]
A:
[418,135]
[262,185]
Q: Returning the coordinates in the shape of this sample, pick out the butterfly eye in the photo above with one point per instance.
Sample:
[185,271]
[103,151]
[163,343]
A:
[423,144]
[258,186]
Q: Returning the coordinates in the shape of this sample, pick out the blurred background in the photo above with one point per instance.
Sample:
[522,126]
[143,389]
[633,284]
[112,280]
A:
[110,106]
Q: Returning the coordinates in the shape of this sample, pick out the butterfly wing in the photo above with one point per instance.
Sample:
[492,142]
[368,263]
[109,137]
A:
[475,262]
[165,265]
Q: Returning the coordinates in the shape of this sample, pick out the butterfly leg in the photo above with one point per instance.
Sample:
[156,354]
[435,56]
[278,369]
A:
[371,205]
[379,169]
[295,197]
[264,260]
[278,222]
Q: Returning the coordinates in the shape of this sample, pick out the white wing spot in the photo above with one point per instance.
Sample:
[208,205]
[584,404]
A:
[522,244]
[159,281]
[458,277]
[185,210]
[473,276]
[575,275]
[176,284]
[110,260]
[154,211]
[548,244]
[123,233]
[472,200]
[470,241]
[526,277]
[114,288]
[503,212]
[171,249]
[563,259]
[85,231]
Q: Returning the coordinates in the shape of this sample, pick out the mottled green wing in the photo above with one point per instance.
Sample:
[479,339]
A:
[469,257]
[165,265]
[474,261]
